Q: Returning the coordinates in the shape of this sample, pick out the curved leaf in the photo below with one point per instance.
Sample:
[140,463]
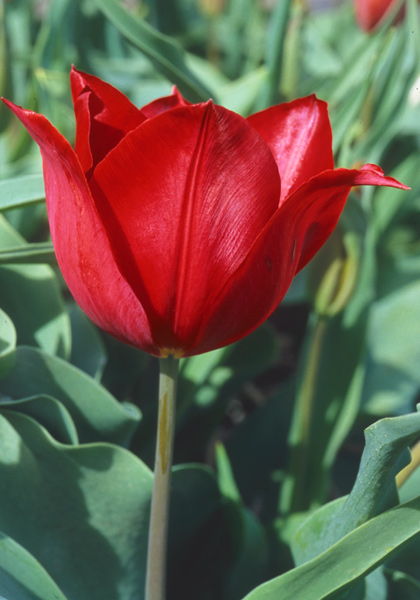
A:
[96,414]
[48,412]
[21,575]
[31,296]
[81,511]
[349,560]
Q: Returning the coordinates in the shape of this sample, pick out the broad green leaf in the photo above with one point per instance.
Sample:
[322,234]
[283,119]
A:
[7,343]
[392,373]
[31,296]
[166,54]
[21,575]
[233,546]
[41,252]
[49,413]
[96,414]
[198,536]
[87,350]
[195,497]
[81,511]
[21,191]
[374,491]
[349,560]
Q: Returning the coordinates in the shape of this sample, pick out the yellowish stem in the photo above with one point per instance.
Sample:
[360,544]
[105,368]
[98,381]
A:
[159,517]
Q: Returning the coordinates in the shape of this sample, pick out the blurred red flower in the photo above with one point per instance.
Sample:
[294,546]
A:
[370,12]
[179,227]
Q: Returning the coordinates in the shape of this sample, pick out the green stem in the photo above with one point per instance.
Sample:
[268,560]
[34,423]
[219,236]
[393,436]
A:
[158,529]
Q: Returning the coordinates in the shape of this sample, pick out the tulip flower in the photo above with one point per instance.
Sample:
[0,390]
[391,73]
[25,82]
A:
[370,12]
[179,227]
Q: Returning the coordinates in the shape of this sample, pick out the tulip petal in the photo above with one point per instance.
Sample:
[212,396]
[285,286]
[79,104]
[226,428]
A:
[299,136]
[161,105]
[80,242]
[325,197]
[370,12]
[183,198]
[103,116]
[297,231]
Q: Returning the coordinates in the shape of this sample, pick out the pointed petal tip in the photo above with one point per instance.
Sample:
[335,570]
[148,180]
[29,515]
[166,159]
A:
[386,180]
[18,110]
[7,102]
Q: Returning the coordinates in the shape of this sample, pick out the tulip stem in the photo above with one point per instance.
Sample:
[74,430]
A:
[159,517]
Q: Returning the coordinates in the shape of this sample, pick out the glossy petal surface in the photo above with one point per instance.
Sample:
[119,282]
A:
[295,233]
[183,199]
[179,227]
[318,204]
[80,241]
[300,139]
[103,116]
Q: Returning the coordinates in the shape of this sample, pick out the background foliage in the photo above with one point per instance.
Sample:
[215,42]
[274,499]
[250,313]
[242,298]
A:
[275,493]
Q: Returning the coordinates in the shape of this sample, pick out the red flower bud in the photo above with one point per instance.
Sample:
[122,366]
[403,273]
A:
[170,224]
[370,12]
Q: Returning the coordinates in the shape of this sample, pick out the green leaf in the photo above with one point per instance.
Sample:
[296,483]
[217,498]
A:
[207,382]
[21,575]
[88,351]
[402,586]
[225,476]
[329,385]
[81,511]
[31,296]
[7,343]
[205,377]
[96,414]
[197,534]
[347,561]
[274,52]
[195,496]
[256,465]
[392,374]
[166,54]
[21,191]
[49,413]
[41,252]
[241,94]
[374,491]
[390,205]
[233,548]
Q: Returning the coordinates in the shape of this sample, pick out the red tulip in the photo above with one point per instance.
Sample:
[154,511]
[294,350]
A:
[370,12]
[170,224]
